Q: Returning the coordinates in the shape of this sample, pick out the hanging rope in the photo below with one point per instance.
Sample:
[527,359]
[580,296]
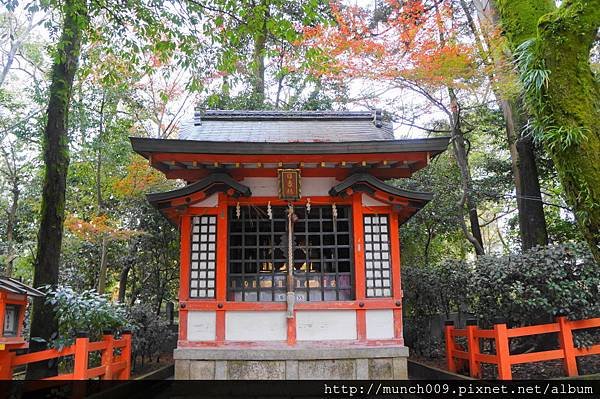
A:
[291,297]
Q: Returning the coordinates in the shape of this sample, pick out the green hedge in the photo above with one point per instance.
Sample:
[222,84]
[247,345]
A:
[524,289]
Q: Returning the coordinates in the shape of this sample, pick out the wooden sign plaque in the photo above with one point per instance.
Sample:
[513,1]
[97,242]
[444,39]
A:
[289,184]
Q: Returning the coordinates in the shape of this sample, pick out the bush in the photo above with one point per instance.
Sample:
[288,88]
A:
[86,311]
[150,333]
[533,287]
[428,292]
[524,289]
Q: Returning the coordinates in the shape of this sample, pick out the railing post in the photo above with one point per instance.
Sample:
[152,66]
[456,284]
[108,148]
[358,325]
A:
[450,347]
[126,355]
[502,350]
[107,354]
[81,356]
[6,357]
[566,344]
[473,348]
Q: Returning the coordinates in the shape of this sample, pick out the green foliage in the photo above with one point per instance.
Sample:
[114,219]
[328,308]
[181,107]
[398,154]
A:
[524,289]
[519,20]
[562,94]
[151,332]
[535,77]
[534,286]
[82,311]
[430,291]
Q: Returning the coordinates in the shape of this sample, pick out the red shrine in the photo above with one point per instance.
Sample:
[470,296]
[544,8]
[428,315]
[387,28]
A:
[290,247]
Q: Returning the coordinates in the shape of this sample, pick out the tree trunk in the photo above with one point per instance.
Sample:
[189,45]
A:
[12,175]
[566,106]
[532,223]
[100,202]
[103,266]
[259,72]
[123,282]
[258,55]
[460,153]
[10,228]
[531,211]
[566,37]
[134,290]
[56,161]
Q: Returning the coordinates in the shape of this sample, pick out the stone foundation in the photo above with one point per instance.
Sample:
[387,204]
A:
[379,363]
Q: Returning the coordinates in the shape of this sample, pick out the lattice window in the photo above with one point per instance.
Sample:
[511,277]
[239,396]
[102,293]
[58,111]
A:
[377,256]
[258,254]
[203,256]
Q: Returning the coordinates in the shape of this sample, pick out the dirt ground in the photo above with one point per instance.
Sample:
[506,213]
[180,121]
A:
[165,359]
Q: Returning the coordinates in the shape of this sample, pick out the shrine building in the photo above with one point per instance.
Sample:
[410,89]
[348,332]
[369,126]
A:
[290,246]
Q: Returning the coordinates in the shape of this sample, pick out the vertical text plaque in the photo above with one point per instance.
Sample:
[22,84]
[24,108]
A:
[289,184]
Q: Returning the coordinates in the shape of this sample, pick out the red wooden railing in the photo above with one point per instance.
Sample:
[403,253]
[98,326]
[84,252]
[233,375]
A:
[115,359]
[457,354]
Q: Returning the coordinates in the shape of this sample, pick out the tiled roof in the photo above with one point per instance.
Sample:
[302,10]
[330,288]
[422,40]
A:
[17,287]
[286,126]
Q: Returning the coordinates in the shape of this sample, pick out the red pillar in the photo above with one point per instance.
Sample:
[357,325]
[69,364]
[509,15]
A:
[473,348]
[502,351]
[450,347]
[184,273]
[107,354]
[359,264]
[81,357]
[566,344]
[396,275]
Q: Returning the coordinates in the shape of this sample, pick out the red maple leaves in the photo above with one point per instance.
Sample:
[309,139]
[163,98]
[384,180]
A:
[415,40]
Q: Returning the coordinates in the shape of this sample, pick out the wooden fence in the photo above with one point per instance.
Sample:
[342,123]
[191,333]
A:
[470,354]
[115,361]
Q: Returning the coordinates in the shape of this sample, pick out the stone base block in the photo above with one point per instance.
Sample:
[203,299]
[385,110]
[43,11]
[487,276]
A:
[291,364]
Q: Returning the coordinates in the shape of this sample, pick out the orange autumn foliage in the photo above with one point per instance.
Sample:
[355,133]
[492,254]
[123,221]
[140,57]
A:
[98,227]
[139,179]
[417,41]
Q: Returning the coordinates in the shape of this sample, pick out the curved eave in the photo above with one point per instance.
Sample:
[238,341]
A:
[200,185]
[170,202]
[145,146]
[409,202]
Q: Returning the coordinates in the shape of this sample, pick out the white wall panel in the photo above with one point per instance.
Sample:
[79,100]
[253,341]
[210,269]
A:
[317,186]
[370,201]
[255,326]
[380,324]
[310,186]
[261,186]
[209,202]
[325,325]
[201,326]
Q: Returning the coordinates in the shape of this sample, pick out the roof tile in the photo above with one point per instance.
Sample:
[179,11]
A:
[286,127]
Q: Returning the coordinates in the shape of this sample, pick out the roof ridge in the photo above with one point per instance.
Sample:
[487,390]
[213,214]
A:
[248,115]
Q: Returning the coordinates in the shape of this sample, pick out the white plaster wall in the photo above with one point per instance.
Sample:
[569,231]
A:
[201,326]
[380,324]
[311,186]
[370,201]
[320,325]
[255,326]
[317,186]
[209,202]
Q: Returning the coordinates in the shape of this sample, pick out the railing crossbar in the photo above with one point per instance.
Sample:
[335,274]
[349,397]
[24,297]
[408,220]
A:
[501,335]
